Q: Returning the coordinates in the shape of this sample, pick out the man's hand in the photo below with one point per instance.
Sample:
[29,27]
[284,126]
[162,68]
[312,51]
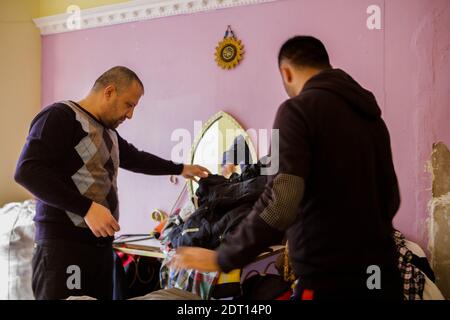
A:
[201,259]
[100,220]
[192,171]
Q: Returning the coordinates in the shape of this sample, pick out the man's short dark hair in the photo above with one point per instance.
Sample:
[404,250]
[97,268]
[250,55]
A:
[120,77]
[305,51]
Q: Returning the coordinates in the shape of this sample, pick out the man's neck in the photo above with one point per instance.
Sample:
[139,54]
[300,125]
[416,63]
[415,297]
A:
[89,104]
[305,75]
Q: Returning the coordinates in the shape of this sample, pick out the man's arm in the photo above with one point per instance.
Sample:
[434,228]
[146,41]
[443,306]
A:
[138,161]
[37,169]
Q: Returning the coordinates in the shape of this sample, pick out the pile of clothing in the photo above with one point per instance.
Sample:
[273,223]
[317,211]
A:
[417,275]
[223,204]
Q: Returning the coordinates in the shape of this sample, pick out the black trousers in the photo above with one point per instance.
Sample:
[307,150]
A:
[64,268]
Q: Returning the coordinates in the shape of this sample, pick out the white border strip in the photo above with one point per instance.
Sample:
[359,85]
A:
[131,11]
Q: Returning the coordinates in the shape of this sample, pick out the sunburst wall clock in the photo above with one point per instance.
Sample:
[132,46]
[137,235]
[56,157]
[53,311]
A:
[229,51]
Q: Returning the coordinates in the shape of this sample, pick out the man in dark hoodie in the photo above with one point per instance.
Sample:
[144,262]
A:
[335,193]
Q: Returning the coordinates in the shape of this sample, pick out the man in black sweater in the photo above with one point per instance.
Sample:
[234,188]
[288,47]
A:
[335,193]
[70,163]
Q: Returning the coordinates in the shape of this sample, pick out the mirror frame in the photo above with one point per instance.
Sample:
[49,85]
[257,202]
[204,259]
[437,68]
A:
[205,127]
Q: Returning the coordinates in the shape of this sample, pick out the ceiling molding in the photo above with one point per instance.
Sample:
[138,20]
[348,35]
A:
[131,11]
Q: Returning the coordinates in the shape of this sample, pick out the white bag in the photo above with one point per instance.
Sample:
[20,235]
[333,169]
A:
[16,250]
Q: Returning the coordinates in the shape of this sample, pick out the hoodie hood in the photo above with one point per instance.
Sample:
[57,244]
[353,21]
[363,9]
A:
[342,85]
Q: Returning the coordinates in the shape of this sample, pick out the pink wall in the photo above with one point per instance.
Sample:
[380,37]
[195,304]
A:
[403,65]
[417,75]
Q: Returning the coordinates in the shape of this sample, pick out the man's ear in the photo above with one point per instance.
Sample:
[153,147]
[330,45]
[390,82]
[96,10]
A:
[108,91]
[286,73]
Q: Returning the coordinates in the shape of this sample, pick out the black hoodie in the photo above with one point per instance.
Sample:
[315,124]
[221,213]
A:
[333,137]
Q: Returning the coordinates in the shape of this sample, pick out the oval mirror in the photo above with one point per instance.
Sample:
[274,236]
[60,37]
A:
[223,147]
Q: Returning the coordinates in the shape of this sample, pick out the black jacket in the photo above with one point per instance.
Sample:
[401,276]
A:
[223,204]
[335,192]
